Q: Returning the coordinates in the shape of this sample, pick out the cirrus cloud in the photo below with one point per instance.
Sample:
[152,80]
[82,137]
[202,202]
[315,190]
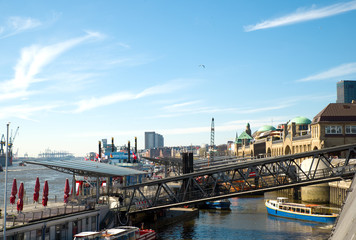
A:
[302,15]
[336,72]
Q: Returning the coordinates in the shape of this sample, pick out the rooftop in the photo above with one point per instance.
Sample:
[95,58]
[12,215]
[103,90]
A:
[344,112]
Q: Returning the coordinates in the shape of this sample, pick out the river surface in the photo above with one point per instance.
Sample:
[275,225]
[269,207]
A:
[247,219]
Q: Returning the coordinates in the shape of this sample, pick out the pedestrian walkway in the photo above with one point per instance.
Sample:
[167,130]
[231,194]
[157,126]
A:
[35,212]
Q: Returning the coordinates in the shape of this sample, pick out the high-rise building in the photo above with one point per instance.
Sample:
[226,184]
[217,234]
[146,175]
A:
[159,142]
[149,140]
[346,91]
[153,140]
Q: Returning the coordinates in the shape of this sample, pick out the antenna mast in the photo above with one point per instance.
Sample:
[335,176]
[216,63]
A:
[212,136]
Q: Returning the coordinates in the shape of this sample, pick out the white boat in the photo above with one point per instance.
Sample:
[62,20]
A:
[306,212]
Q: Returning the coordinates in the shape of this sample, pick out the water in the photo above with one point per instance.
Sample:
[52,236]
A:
[248,218]
[27,175]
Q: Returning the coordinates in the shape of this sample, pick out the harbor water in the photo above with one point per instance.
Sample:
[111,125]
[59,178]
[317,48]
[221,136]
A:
[247,219]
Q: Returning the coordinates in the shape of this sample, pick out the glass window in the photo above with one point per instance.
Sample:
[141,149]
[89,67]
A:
[39,234]
[61,231]
[47,232]
[93,223]
[350,129]
[333,130]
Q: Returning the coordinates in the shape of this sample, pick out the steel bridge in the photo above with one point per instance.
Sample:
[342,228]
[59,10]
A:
[244,177]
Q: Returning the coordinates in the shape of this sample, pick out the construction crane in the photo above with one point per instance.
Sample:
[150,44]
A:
[212,136]
[2,144]
[12,138]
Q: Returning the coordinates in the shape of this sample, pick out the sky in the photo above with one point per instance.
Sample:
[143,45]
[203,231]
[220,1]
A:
[75,72]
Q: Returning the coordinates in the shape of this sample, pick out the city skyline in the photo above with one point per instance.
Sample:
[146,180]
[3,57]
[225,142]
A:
[74,73]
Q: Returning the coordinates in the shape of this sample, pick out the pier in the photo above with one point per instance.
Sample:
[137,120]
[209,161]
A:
[202,181]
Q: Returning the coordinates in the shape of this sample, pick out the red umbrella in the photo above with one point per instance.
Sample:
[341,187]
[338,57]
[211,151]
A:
[13,192]
[20,201]
[45,194]
[36,194]
[66,191]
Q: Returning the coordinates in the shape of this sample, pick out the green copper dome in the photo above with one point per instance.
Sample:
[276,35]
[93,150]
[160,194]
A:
[300,120]
[266,128]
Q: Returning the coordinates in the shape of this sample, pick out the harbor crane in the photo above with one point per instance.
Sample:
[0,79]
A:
[2,144]
[12,138]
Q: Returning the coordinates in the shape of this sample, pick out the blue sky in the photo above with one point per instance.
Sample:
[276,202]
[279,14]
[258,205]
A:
[73,73]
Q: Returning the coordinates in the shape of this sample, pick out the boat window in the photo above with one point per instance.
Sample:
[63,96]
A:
[132,236]
[302,210]
[308,211]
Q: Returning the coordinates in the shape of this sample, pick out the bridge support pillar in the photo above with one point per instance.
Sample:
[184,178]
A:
[319,193]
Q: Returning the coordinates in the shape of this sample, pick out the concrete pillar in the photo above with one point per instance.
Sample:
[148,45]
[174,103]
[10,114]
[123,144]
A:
[319,193]
[52,233]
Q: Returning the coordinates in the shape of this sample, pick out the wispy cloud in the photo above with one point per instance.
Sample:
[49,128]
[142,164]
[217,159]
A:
[302,15]
[336,72]
[33,59]
[131,61]
[180,105]
[95,102]
[16,25]
[264,109]
[24,111]
[189,108]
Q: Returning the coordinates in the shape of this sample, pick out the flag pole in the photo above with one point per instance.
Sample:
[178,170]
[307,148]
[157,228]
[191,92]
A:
[5,197]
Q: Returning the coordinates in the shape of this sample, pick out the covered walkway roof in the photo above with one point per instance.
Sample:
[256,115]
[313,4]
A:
[86,168]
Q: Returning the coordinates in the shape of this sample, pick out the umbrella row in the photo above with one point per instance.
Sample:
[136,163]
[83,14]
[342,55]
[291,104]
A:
[36,193]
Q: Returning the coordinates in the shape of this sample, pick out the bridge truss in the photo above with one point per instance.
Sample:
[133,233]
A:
[245,177]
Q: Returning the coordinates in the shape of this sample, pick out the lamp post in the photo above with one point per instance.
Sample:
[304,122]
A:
[6,160]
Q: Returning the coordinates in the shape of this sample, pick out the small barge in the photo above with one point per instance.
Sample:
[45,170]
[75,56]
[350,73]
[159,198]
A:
[306,212]
[220,204]
[124,232]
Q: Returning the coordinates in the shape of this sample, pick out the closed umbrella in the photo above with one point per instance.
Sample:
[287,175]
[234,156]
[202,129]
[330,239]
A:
[20,201]
[45,194]
[66,191]
[13,193]
[36,194]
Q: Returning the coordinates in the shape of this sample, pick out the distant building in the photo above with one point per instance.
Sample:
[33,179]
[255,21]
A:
[153,140]
[346,91]
[333,126]
[159,142]
[149,140]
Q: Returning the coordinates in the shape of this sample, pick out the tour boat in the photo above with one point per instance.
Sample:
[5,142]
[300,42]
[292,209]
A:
[123,232]
[220,204]
[307,212]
